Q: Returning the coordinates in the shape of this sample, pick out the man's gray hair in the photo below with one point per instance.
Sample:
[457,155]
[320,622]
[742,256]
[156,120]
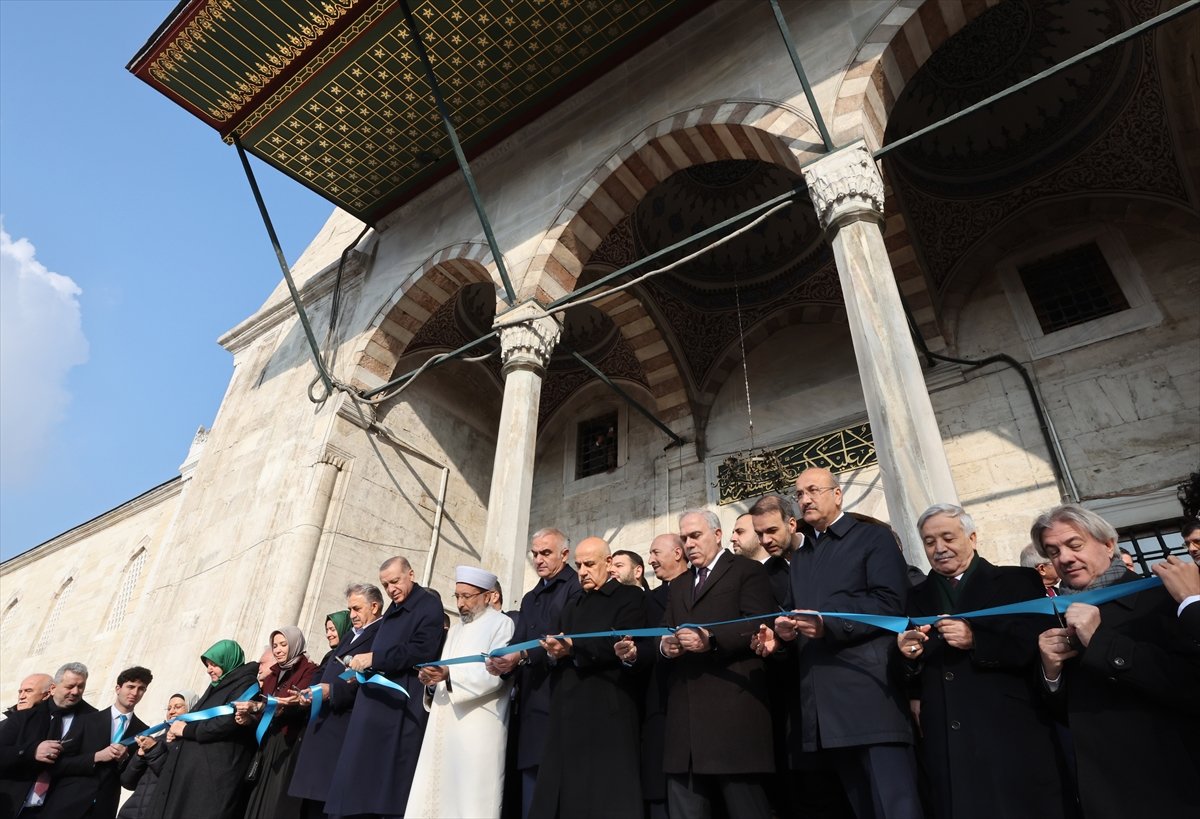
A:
[398,560]
[1085,520]
[950,510]
[367,591]
[1031,559]
[549,531]
[714,522]
[74,668]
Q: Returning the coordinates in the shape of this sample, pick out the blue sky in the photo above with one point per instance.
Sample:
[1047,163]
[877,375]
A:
[130,243]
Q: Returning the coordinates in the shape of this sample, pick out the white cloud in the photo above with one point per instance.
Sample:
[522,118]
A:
[41,339]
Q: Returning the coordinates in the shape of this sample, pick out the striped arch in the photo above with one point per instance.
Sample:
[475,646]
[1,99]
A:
[889,57]
[437,279]
[749,129]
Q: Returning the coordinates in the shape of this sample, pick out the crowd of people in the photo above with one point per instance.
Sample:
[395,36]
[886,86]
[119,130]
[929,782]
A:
[758,681]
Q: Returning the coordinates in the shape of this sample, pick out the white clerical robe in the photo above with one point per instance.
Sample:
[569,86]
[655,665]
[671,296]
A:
[460,771]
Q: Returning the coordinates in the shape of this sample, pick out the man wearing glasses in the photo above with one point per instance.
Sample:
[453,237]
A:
[468,711]
[850,713]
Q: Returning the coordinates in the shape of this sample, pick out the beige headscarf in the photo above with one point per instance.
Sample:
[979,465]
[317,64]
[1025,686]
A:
[295,642]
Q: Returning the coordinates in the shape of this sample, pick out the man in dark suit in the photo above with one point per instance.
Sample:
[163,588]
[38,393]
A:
[536,673]
[379,756]
[325,736]
[972,684]
[849,710]
[718,687]
[45,769]
[1182,581]
[109,726]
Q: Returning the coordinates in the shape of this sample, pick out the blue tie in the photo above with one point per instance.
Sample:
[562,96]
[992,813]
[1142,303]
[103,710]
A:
[119,731]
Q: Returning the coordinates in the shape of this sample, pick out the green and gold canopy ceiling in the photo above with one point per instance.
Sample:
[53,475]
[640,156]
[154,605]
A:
[333,93]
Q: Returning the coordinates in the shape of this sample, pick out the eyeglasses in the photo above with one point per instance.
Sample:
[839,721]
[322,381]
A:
[813,491]
[462,598]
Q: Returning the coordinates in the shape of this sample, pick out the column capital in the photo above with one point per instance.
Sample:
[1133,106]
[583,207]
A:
[527,337]
[846,186]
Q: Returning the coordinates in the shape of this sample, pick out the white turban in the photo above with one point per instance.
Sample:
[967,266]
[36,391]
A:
[475,577]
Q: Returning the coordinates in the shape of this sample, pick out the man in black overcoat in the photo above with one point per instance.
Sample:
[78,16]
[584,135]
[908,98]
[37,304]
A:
[718,741]
[325,736]
[536,673]
[597,700]
[849,709]
[974,685]
[44,759]
[375,770]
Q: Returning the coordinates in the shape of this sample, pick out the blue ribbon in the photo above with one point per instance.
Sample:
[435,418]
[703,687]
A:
[264,723]
[897,624]
[314,707]
[195,716]
[374,679]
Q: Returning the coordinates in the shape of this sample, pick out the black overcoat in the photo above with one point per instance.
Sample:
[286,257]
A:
[535,681]
[323,739]
[718,720]
[141,776]
[846,696]
[72,782]
[97,736]
[1130,695]
[203,778]
[594,715]
[982,708]
[654,713]
[375,769]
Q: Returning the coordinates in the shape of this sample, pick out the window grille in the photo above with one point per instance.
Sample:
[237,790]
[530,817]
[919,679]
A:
[60,600]
[596,447]
[1151,543]
[1071,287]
[128,583]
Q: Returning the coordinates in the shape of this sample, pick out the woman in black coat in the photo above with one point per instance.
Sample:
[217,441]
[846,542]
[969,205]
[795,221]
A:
[204,778]
[145,766]
[973,684]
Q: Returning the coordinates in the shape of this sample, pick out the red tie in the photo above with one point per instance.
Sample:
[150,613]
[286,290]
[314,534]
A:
[1050,592]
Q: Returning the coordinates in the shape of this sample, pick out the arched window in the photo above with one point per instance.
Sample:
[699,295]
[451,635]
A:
[56,608]
[133,570]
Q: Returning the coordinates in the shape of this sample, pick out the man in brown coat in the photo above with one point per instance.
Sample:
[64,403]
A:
[718,689]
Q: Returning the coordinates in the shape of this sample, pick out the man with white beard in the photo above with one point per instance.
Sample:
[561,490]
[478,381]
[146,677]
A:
[468,712]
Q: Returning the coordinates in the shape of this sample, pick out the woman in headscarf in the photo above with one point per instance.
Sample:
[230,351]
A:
[145,766]
[292,673]
[337,626]
[203,776]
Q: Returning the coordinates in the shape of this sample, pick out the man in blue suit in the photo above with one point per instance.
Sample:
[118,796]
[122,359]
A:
[375,770]
[849,711]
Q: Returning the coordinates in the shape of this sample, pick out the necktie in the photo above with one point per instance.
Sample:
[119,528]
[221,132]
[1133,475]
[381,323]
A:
[1051,591]
[701,575]
[954,582]
[119,731]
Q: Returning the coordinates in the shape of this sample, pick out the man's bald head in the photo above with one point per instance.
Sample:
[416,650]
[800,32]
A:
[820,497]
[666,557]
[592,557]
[33,689]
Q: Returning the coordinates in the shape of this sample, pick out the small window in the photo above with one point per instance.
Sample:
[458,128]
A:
[133,571]
[596,447]
[51,625]
[1151,543]
[1071,287]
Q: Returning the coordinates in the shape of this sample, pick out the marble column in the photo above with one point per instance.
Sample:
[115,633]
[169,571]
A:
[525,350]
[847,190]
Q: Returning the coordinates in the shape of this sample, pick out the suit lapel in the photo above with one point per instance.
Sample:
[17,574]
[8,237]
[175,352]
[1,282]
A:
[714,575]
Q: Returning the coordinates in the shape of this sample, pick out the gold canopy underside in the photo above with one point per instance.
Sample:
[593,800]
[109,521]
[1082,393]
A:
[333,93]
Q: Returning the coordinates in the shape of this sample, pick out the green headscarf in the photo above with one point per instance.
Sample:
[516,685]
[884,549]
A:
[225,655]
[341,622]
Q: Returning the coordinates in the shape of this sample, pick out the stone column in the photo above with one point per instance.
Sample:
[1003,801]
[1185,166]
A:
[847,190]
[525,351]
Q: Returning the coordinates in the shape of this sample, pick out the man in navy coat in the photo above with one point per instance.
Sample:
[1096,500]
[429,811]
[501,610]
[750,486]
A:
[375,770]
[849,710]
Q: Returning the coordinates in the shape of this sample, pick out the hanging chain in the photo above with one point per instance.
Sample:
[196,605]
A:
[737,298]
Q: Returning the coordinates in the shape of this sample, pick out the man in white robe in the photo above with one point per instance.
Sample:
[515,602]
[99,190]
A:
[460,771]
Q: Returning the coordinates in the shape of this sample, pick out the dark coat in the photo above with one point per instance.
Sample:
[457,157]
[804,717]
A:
[269,797]
[1131,695]
[654,712]
[854,567]
[594,715]
[981,709]
[141,776]
[73,781]
[780,574]
[375,769]
[718,699]
[203,778]
[323,740]
[108,774]
[535,681]
[1189,618]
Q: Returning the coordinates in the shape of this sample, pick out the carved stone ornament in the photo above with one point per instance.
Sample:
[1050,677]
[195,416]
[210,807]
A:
[845,186]
[528,344]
